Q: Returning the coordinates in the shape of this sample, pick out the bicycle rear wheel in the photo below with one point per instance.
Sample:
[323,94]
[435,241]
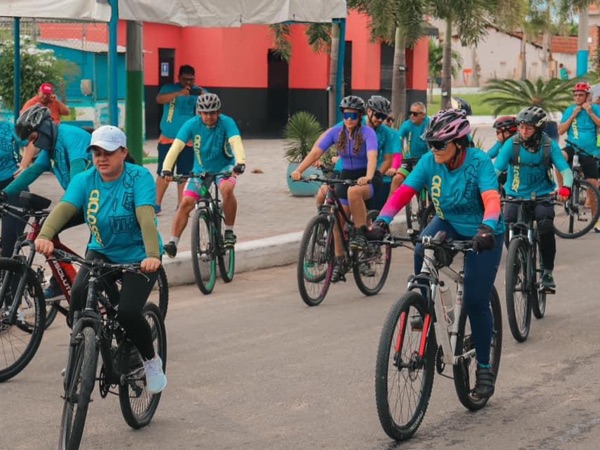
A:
[518,291]
[203,252]
[371,268]
[138,406]
[403,380]
[579,213]
[20,336]
[226,259]
[538,304]
[464,371]
[315,261]
[79,384]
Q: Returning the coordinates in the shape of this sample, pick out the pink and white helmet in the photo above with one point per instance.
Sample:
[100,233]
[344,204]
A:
[448,125]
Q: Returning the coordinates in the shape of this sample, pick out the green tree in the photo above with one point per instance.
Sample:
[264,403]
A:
[436,64]
[37,66]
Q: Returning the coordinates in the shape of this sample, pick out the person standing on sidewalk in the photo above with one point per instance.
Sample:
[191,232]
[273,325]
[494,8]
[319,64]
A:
[179,100]
[46,97]
[217,148]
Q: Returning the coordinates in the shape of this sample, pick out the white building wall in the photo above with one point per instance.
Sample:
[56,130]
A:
[498,55]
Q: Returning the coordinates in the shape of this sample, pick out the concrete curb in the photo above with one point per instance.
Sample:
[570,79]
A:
[281,250]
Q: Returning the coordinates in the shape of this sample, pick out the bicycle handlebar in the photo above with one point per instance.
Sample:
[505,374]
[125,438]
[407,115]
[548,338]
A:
[520,200]
[324,180]
[95,265]
[580,150]
[201,176]
[440,239]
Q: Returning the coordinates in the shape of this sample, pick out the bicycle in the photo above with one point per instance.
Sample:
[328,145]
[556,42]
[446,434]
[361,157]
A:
[316,260]
[34,211]
[523,269]
[579,214]
[420,210]
[208,226]
[96,332]
[426,330]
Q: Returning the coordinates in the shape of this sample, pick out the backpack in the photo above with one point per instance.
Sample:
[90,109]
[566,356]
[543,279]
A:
[546,142]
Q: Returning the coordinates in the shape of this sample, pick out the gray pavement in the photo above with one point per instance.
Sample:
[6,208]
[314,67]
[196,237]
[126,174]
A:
[269,221]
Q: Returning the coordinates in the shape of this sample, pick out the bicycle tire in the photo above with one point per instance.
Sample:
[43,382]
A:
[400,415]
[79,384]
[226,258]
[20,341]
[371,268]
[203,252]
[538,305]
[51,313]
[138,406]
[519,290]
[315,261]
[162,286]
[572,219]
[464,371]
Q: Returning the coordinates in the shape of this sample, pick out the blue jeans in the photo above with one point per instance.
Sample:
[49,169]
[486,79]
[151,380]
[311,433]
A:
[480,274]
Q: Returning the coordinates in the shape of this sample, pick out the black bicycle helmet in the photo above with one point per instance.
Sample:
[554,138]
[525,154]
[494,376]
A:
[353,102]
[30,121]
[533,115]
[379,104]
[506,123]
[208,103]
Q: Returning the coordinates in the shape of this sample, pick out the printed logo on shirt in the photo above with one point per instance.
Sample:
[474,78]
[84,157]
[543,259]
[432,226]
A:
[436,193]
[90,215]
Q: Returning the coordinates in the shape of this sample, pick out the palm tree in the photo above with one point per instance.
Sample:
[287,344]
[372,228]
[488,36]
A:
[510,96]
[436,63]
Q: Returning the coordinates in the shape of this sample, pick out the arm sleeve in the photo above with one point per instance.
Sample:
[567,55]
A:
[176,147]
[58,218]
[396,202]
[491,208]
[567,175]
[145,217]
[23,181]
[397,161]
[238,149]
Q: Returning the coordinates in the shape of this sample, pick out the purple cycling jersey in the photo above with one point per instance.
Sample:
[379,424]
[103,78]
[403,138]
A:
[350,160]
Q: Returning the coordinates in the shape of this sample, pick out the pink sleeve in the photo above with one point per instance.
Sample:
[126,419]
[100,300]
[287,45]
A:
[397,201]
[397,161]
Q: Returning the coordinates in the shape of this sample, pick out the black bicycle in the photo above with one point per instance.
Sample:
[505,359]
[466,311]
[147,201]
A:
[208,226]
[97,332]
[524,293]
[579,214]
[316,260]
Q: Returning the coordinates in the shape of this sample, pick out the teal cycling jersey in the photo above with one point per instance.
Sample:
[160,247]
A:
[109,210]
[8,155]
[410,134]
[532,175]
[177,111]
[212,151]
[582,131]
[495,150]
[456,194]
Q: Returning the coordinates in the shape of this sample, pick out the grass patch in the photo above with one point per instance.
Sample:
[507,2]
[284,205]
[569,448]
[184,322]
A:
[475,100]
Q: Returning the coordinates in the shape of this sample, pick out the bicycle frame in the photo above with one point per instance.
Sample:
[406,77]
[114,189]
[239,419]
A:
[334,209]
[211,203]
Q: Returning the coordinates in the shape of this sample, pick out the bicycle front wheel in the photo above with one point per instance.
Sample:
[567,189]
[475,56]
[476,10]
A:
[79,384]
[538,305]
[579,213]
[138,406]
[20,334]
[518,290]
[403,378]
[315,262]
[203,252]
[464,371]
[162,288]
[371,268]
[226,260]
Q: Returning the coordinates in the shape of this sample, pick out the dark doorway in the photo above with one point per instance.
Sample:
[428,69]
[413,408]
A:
[166,74]
[347,70]
[278,93]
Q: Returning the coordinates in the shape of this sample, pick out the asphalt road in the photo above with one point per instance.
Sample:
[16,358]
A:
[252,367]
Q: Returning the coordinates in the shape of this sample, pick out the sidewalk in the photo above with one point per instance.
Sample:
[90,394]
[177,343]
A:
[269,221]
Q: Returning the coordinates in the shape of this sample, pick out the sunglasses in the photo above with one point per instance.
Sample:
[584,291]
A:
[415,113]
[380,116]
[437,146]
[350,115]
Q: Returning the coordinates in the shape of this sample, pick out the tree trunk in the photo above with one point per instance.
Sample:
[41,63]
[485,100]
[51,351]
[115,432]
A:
[447,67]
[523,56]
[333,63]
[399,77]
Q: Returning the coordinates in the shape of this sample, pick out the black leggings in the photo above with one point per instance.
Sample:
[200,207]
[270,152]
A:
[12,227]
[135,291]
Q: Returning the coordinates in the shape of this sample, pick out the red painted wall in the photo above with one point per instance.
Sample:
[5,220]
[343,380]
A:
[417,60]
[366,55]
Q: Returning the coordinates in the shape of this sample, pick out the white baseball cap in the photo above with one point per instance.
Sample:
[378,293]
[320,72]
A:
[108,138]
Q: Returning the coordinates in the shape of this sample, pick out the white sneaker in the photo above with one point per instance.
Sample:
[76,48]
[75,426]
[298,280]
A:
[156,380]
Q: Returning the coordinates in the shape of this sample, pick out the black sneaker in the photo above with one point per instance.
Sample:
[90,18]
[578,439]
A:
[53,291]
[229,239]
[170,249]
[358,242]
[416,322]
[339,271]
[547,283]
[484,382]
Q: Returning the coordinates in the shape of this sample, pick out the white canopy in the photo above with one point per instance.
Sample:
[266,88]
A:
[185,13]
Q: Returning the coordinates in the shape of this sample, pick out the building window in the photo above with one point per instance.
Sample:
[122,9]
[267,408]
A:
[387,66]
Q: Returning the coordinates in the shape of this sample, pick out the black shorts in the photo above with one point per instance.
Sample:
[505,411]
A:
[341,190]
[589,165]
